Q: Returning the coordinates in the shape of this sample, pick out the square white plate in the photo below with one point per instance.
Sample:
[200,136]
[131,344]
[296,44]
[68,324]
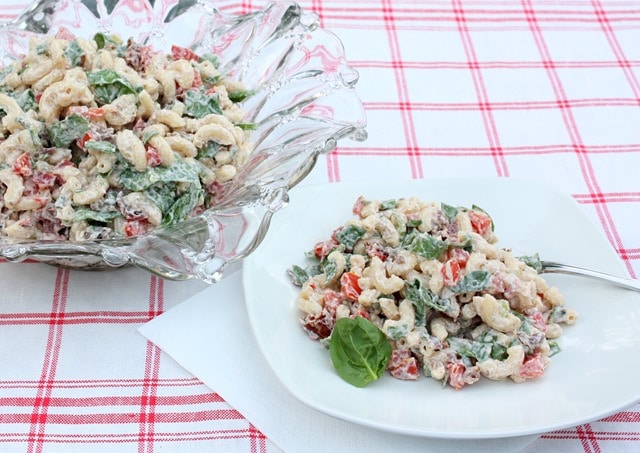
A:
[596,373]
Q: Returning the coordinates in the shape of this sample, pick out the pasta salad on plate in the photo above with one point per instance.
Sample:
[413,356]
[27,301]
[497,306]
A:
[103,138]
[414,287]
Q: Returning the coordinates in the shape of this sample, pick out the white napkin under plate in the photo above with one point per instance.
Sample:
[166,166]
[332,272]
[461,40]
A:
[210,336]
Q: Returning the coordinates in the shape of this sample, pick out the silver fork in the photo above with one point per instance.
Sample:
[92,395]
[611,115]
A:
[551,267]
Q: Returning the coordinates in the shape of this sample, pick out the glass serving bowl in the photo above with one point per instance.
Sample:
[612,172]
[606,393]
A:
[304,102]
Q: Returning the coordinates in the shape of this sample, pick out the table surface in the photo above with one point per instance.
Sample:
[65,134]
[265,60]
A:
[538,89]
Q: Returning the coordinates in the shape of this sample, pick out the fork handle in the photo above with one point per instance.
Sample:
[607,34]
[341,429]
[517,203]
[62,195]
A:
[550,267]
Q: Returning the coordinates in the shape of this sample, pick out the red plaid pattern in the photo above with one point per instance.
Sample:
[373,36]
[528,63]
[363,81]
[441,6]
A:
[538,89]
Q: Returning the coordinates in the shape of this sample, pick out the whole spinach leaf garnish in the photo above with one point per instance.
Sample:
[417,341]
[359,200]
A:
[359,350]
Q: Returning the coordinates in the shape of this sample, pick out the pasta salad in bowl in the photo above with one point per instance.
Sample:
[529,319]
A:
[169,149]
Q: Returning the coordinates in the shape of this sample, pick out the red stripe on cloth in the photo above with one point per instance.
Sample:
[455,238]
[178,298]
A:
[588,439]
[403,91]
[148,400]
[481,92]
[175,400]
[483,151]
[617,49]
[126,418]
[513,105]
[572,127]
[104,383]
[38,417]
[623,417]
[257,440]
[493,64]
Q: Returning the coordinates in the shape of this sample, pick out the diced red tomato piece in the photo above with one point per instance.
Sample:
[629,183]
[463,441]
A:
[480,222]
[322,249]
[64,33]
[349,286]
[450,272]
[359,310]
[332,299]
[357,207]
[153,156]
[538,321]
[182,53]
[90,113]
[460,255]
[533,366]
[135,227]
[22,165]
[456,374]
[95,113]
[197,79]
[403,365]
[84,139]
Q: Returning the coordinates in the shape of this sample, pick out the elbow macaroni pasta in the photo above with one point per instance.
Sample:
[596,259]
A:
[102,138]
[430,276]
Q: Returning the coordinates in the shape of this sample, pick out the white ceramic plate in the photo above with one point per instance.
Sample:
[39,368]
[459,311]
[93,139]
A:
[596,374]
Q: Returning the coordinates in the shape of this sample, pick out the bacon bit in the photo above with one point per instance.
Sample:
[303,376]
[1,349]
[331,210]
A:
[403,365]
[211,90]
[319,327]
[497,284]
[375,249]
[182,53]
[22,165]
[153,156]
[139,126]
[349,286]
[42,200]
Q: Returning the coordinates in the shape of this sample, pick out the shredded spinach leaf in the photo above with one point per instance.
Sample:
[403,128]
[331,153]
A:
[107,85]
[74,53]
[349,235]
[198,104]
[64,132]
[474,281]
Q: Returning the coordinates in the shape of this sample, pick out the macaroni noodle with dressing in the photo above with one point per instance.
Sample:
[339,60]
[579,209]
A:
[430,276]
[101,138]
